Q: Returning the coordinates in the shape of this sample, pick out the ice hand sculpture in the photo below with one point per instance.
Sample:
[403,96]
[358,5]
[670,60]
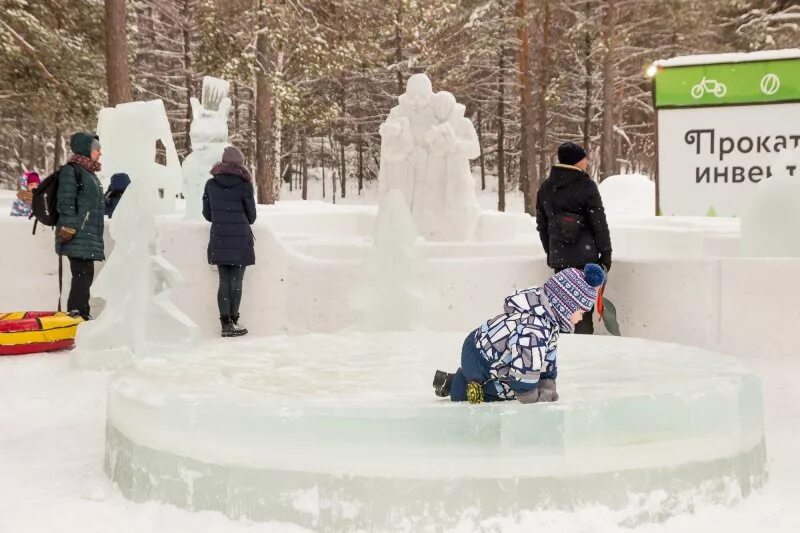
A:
[209,135]
[426,146]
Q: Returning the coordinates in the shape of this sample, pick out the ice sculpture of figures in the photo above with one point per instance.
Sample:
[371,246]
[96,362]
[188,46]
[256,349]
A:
[131,134]
[138,317]
[452,142]
[404,156]
[426,146]
[209,135]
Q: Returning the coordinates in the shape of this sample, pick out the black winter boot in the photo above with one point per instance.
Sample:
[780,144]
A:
[441,383]
[236,327]
[227,326]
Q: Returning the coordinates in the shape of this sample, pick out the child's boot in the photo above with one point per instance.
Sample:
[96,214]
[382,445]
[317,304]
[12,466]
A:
[441,383]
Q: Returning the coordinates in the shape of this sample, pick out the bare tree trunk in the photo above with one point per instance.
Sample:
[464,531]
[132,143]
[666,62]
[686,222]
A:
[118,78]
[187,70]
[322,163]
[501,135]
[57,148]
[43,157]
[607,155]
[333,175]
[482,159]
[235,105]
[304,166]
[277,125]
[398,44]
[360,161]
[527,156]
[541,101]
[343,188]
[588,66]
[265,161]
[343,104]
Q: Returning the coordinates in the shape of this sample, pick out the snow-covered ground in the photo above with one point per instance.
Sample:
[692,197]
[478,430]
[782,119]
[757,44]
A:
[52,417]
[52,421]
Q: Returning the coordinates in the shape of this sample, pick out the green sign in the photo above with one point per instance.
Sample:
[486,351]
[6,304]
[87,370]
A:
[755,82]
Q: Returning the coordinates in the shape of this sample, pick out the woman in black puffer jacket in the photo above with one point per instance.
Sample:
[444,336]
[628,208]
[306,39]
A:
[229,204]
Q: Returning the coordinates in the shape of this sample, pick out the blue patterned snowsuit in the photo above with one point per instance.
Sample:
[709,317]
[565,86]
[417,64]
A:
[511,352]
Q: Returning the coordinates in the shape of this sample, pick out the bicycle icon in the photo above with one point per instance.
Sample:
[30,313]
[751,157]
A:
[714,87]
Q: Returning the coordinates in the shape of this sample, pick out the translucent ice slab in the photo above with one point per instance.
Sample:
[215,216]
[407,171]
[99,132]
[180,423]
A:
[343,431]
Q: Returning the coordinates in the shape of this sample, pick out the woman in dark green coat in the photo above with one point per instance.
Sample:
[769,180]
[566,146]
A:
[81,208]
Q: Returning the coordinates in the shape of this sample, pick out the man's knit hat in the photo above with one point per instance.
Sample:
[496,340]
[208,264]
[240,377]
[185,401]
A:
[570,153]
[572,290]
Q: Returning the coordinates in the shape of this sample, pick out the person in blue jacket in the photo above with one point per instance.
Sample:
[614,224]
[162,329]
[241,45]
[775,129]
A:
[119,182]
[514,355]
[229,204]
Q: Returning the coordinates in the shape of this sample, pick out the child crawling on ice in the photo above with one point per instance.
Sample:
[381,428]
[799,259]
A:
[513,355]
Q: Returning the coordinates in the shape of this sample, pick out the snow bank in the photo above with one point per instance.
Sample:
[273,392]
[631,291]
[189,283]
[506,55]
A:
[628,195]
[771,225]
[740,57]
[6,199]
[29,267]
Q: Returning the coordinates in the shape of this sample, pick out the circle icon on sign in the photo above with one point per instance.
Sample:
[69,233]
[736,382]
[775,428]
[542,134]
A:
[715,87]
[770,84]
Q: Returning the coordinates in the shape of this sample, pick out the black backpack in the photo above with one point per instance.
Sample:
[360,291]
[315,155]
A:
[45,199]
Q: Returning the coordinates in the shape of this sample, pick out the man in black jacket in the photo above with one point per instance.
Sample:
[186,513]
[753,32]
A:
[571,219]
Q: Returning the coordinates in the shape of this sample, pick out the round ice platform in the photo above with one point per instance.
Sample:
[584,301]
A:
[343,432]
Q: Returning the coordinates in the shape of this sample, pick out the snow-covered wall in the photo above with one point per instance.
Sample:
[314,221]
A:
[678,280]
[291,291]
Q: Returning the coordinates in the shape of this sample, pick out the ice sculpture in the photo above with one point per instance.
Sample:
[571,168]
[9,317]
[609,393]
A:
[391,299]
[452,143]
[426,146]
[404,155]
[645,428]
[135,281]
[209,135]
[130,134]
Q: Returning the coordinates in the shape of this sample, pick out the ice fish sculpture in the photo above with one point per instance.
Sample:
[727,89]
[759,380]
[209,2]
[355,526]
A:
[131,135]
[209,135]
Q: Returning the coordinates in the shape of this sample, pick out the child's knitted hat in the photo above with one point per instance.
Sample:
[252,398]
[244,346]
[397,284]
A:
[571,290]
[32,177]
